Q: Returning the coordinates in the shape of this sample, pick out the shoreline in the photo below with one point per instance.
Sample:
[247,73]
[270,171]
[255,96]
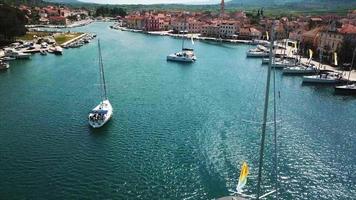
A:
[74,25]
[195,36]
[234,41]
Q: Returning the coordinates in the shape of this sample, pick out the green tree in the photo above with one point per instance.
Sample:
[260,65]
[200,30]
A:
[12,23]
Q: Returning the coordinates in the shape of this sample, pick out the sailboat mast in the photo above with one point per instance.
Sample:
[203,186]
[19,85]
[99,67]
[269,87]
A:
[265,112]
[184,29]
[352,64]
[102,75]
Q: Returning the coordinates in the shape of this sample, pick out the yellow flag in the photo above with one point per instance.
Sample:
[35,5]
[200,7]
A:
[310,54]
[243,177]
[335,59]
[267,37]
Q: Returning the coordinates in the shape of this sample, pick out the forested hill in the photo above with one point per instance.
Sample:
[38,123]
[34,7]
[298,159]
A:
[25,2]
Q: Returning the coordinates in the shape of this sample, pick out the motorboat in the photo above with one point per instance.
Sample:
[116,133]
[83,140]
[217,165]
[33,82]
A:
[103,112]
[324,78]
[186,55]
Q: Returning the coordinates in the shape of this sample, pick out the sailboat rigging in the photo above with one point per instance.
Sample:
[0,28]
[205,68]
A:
[103,112]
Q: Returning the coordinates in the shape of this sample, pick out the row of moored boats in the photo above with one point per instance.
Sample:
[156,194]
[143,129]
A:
[311,73]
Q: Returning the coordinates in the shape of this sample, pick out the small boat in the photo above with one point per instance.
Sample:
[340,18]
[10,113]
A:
[103,112]
[4,65]
[324,78]
[301,70]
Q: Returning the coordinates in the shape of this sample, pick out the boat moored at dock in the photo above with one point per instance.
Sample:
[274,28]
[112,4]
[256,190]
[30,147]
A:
[324,78]
[301,70]
[348,89]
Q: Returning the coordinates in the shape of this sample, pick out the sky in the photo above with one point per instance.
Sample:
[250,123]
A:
[152,1]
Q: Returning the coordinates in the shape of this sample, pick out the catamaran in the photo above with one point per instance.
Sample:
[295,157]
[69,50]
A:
[103,112]
[186,55]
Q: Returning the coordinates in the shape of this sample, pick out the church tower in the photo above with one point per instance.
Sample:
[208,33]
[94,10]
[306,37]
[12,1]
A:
[222,8]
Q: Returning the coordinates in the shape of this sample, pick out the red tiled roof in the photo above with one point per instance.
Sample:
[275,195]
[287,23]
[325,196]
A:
[348,29]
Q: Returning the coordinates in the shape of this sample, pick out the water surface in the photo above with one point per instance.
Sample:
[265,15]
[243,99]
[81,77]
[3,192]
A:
[178,132]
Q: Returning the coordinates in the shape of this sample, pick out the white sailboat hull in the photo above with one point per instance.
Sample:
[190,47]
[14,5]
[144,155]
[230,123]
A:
[256,54]
[318,79]
[101,114]
[299,70]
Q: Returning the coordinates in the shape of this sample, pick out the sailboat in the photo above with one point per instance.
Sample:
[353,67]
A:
[244,170]
[325,77]
[349,88]
[103,112]
[186,55]
[302,69]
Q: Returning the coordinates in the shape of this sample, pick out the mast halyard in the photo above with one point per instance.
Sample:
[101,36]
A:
[184,30]
[265,112]
[102,75]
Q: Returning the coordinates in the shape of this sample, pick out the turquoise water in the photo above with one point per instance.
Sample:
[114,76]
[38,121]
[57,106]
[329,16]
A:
[178,131]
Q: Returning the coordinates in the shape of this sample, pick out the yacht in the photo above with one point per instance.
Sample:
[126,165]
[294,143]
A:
[103,112]
[301,69]
[324,78]
[4,65]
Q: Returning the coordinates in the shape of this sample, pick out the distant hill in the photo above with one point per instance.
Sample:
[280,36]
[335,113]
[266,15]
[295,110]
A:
[27,2]
[63,1]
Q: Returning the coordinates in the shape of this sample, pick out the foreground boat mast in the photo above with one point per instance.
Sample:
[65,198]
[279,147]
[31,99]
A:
[265,112]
